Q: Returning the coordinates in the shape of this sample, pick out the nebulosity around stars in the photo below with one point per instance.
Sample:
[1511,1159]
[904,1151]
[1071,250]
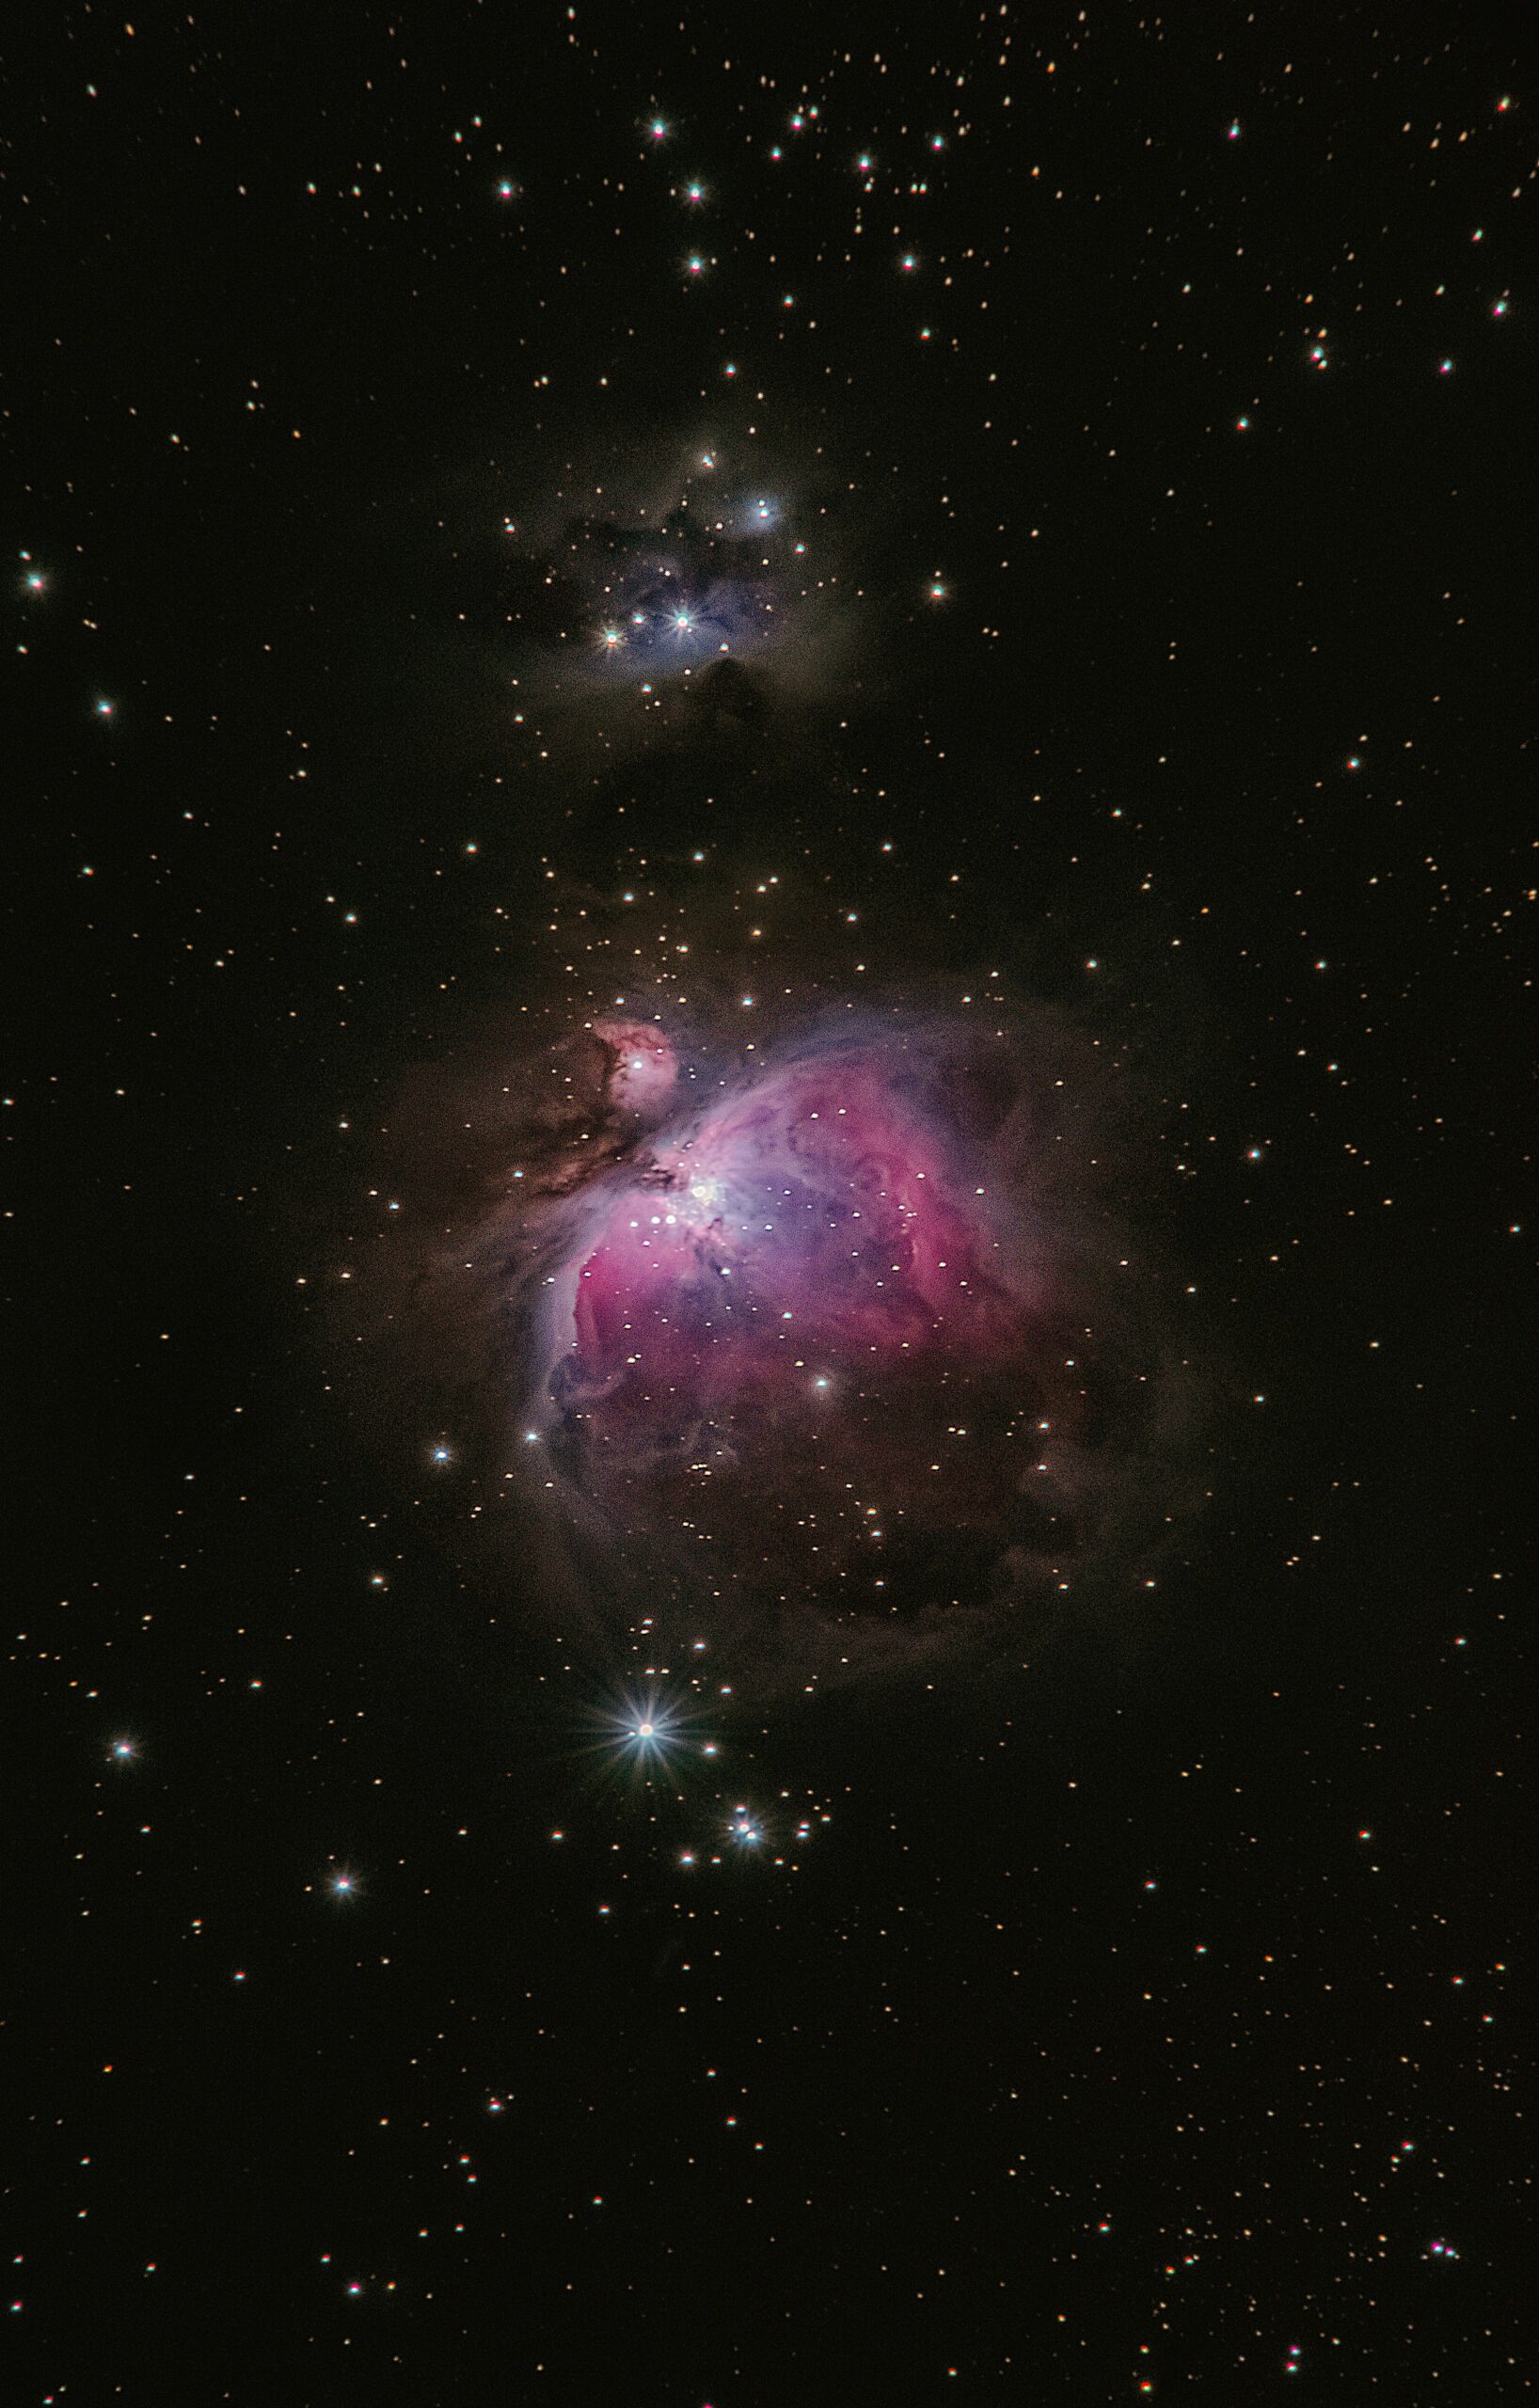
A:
[639,586]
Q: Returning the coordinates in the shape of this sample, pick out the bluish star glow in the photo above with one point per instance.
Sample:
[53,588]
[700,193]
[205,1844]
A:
[646,1729]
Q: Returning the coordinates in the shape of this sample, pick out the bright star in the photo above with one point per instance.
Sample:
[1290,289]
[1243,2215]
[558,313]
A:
[647,1727]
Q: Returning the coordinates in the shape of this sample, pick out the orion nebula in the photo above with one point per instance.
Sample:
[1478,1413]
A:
[838,1339]
[783,1319]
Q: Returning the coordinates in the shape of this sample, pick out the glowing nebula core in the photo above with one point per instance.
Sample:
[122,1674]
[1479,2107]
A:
[792,1331]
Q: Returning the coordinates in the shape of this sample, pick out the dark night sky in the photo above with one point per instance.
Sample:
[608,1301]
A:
[1021,574]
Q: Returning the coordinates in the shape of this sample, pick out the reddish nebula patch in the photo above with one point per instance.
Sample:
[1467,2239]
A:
[643,1065]
[794,1332]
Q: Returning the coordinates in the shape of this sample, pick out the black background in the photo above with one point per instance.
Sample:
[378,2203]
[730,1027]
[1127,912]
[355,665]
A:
[1142,2021]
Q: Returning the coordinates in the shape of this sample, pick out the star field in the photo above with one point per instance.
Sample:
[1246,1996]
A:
[769,1231]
